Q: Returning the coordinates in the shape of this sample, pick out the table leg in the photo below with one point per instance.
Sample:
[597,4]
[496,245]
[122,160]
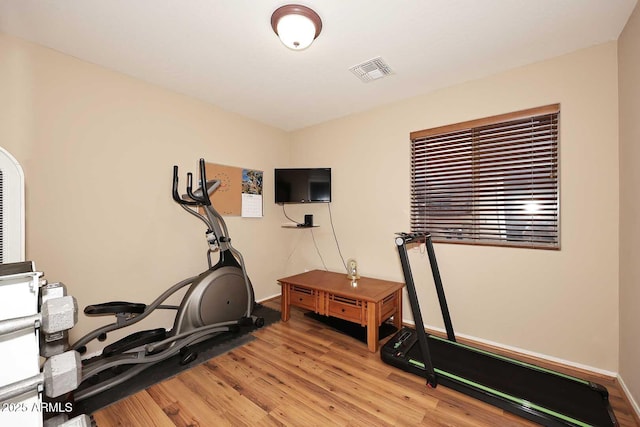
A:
[373,322]
[397,316]
[285,301]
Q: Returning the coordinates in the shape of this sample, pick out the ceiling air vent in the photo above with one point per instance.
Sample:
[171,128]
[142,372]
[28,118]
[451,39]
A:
[372,69]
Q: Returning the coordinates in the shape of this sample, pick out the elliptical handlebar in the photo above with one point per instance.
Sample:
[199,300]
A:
[174,193]
[197,200]
[190,188]
[203,183]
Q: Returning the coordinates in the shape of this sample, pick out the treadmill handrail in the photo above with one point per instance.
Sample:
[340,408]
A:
[437,280]
[401,243]
[435,271]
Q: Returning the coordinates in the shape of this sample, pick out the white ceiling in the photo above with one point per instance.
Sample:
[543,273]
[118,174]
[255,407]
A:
[225,52]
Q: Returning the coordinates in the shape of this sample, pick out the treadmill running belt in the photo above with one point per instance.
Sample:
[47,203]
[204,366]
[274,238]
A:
[548,392]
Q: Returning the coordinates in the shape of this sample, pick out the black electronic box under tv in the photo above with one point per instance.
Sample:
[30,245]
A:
[303,185]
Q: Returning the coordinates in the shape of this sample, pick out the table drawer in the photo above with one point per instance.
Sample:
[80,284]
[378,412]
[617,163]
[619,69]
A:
[303,297]
[347,308]
[389,306]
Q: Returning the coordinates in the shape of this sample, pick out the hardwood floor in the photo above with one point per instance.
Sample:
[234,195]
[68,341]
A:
[298,373]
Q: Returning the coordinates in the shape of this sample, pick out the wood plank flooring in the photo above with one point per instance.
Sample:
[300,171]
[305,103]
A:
[299,373]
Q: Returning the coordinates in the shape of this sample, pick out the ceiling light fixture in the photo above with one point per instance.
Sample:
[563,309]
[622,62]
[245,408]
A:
[297,26]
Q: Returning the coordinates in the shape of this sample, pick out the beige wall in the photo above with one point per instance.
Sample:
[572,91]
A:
[563,303]
[629,92]
[97,149]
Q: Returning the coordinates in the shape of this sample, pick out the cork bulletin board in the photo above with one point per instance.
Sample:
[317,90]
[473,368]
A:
[240,191]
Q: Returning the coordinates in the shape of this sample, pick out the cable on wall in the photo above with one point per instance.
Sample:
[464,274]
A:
[318,249]
[333,230]
[287,216]
[335,237]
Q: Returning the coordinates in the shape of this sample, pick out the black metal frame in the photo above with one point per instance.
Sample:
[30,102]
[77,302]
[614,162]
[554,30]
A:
[401,241]
[395,351]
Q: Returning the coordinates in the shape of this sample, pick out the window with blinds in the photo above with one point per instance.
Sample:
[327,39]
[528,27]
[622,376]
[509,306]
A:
[491,181]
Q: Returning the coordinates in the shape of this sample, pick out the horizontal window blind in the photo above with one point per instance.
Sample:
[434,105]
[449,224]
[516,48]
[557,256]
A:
[491,181]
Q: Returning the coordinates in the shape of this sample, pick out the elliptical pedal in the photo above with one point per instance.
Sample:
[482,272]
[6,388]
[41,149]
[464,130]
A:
[187,355]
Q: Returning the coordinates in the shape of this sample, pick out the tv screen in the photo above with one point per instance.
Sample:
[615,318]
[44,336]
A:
[303,185]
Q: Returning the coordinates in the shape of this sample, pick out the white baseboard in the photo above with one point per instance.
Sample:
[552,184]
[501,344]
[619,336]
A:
[269,298]
[626,391]
[529,353]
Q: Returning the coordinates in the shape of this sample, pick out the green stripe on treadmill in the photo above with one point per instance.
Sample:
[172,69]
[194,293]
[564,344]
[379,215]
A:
[519,401]
[517,362]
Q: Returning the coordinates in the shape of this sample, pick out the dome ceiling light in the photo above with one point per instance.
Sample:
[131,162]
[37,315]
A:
[297,26]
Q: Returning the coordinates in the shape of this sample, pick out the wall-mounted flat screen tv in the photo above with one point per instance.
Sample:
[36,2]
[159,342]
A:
[303,185]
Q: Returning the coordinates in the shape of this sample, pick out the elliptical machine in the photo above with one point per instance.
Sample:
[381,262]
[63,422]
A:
[220,299]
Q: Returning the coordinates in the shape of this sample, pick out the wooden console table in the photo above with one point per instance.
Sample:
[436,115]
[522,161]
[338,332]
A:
[369,303]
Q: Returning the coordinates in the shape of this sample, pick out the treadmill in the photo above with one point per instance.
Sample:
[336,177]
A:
[540,395]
